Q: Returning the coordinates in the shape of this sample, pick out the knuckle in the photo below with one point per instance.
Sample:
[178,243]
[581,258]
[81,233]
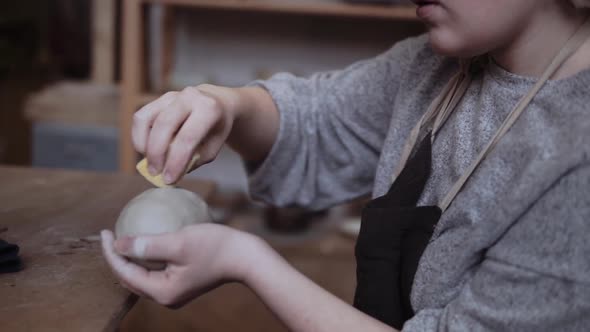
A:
[206,102]
[139,117]
[194,99]
[189,90]
[213,105]
[210,102]
[168,119]
[188,95]
[170,94]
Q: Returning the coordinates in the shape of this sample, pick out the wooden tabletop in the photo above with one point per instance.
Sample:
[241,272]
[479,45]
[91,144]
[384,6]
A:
[55,217]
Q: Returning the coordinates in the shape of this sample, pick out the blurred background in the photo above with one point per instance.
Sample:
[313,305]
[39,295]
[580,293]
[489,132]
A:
[72,72]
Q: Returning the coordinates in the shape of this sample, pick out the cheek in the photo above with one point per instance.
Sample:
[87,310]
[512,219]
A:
[468,35]
[473,27]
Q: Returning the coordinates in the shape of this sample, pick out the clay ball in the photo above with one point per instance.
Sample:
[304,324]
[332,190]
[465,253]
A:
[160,210]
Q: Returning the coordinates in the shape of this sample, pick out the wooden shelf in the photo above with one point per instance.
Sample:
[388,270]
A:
[132,96]
[308,7]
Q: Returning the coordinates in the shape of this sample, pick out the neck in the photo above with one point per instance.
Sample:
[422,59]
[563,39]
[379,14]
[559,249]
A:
[540,39]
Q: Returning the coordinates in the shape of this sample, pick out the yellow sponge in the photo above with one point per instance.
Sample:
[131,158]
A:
[158,180]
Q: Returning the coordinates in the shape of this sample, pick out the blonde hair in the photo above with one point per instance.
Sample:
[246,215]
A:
[581,3]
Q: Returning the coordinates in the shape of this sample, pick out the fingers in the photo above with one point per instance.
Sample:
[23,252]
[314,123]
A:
[144,119]
[171,129]
[184,145]
[134,277]
[165,126]
[165,247]
[177,132]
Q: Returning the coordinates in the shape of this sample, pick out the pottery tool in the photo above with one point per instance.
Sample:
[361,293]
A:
[158,180]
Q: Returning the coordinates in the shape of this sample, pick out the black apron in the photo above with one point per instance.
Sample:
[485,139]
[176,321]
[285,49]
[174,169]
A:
[395,231]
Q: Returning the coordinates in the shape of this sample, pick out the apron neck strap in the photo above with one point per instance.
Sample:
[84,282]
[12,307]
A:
[441,106]
[572,45]
[445,103]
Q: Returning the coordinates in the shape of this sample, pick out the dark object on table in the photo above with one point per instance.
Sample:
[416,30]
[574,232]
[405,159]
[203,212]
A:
[290,220]
[9,260]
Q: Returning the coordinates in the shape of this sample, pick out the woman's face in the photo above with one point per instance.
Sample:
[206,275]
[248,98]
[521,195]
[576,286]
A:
[467,28]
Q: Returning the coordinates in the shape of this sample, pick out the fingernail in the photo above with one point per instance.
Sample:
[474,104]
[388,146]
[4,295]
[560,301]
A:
[103,235]
[139,246]
[153,171]
[168,178]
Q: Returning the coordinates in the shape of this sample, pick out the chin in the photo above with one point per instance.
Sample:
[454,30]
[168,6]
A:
[448,44]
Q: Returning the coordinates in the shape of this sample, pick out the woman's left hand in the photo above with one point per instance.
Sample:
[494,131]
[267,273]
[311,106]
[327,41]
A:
[199,258]
[202,257]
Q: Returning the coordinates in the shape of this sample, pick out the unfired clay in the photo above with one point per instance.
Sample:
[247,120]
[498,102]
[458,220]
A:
[161,210]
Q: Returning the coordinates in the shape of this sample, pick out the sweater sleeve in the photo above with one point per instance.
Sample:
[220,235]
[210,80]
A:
[536,277]
[332,128]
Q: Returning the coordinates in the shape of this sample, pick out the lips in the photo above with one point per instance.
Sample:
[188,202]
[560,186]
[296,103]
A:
[421,3]
[426,8]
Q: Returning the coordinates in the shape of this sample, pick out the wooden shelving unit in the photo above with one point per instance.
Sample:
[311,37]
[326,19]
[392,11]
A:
[309,7]
[132,96]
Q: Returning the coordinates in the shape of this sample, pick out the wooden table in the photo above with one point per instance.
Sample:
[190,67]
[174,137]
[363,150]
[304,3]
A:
[55,217]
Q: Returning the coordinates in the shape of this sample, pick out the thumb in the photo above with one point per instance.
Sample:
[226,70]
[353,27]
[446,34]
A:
[164,247]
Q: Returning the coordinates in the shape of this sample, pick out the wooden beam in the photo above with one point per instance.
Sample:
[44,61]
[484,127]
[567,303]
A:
[310,7]
[161,28]
[168,45]
[132,59]
[103,41]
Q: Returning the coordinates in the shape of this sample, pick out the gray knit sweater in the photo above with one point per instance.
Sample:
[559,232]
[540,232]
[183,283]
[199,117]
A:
[513,250]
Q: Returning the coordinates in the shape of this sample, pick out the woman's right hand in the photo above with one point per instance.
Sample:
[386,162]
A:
[178,125]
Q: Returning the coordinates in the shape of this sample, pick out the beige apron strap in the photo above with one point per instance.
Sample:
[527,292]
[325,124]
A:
[571,46]
[455,97]
[447,97]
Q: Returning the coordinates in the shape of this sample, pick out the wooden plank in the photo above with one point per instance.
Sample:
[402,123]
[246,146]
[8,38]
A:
[160,26]
[74,102]
[310,7]
[103,41]
[168,30]
[132,59]
[55,217]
